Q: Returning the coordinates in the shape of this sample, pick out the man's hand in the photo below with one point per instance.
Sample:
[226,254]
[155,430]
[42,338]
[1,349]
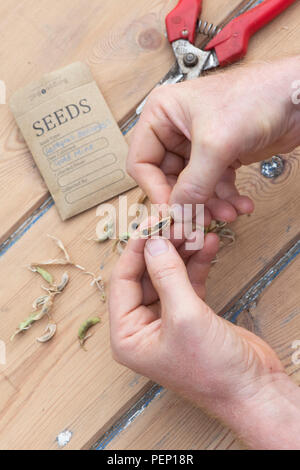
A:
[193,136]
[161,328]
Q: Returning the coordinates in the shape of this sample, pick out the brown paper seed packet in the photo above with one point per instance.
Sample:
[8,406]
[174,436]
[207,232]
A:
[74,139]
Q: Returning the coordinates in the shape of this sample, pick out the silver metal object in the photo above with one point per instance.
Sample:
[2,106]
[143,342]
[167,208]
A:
[208,29]
[190,60]
[181,49]
[272,168]
[212,61]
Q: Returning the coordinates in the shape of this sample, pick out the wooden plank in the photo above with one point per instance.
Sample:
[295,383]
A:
[100,391]
[123,43]
[171,423]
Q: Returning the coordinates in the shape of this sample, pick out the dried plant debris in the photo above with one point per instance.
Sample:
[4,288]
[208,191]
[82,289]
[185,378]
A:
[156,228]
[85,327]
[98,282]
[63,283]
[42,305]
[49,333]
[121,243]
[68,262]
[142,199]
[222,229]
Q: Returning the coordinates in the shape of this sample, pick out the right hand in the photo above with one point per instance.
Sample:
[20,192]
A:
[193,136]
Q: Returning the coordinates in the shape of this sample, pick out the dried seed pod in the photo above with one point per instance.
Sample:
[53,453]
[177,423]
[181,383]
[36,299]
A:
[64,281]
[49,333]
[155,229]
[82,333]
[26,324]
[45,275]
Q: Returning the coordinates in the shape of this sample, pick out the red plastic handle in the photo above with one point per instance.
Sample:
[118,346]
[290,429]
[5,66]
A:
[231,43]
[182,21]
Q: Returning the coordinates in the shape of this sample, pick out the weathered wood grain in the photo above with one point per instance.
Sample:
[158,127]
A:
[45,392]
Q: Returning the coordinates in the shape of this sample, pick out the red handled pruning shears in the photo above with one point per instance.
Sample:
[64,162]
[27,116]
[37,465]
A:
[229,44]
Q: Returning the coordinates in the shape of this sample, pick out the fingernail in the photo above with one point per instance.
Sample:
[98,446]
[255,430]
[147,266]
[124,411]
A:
[157,247]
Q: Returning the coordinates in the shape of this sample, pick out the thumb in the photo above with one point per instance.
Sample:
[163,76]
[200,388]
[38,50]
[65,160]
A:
[168,274]
[197,182]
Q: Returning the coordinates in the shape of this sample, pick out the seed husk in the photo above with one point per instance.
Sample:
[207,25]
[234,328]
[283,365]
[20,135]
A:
[49,333]
[39,302]
[121,243]
[64,281]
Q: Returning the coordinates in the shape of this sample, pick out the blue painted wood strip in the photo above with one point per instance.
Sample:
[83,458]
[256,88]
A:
[128,418]
[251,296]
[37,214]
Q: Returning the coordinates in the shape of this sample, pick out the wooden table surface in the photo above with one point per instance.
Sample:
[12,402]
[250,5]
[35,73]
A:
[57,392]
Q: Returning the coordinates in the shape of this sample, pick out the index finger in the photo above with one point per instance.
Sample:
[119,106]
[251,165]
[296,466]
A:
[145,156]
[126,293]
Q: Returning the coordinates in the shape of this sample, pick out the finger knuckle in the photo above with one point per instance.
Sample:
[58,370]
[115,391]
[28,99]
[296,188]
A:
[161,273]
[194,190]
[220,147]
